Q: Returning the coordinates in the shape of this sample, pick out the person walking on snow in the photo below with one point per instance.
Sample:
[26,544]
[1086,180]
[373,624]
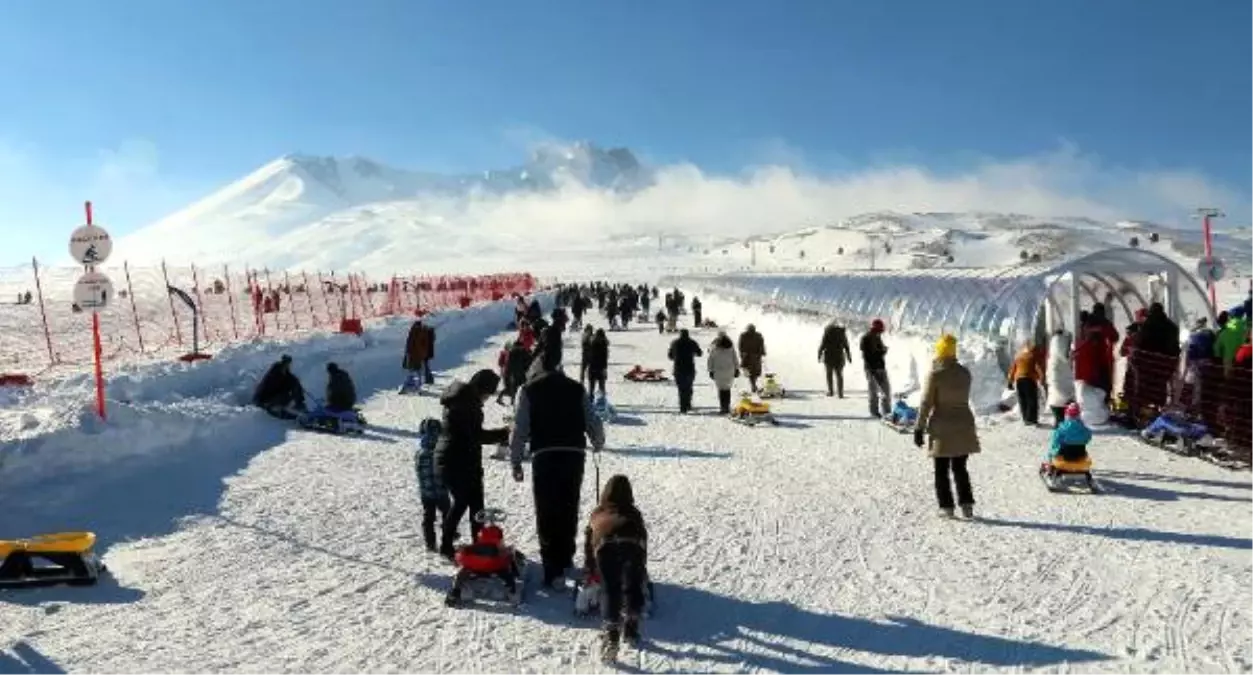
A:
[696,312]
[833,353]
[752,352]
[555,415]
[948,423]
[724,367]
[874,359]
[585,351]
[615,548]
[597,363]
[1059,376]
[419,350]
[1024,376]
[459,451]
[683,352]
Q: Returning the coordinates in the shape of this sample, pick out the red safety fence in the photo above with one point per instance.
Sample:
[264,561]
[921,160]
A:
[1209,391]
[41,329]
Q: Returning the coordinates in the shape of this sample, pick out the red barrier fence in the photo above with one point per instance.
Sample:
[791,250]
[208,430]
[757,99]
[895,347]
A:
[1219,395]
[41,329]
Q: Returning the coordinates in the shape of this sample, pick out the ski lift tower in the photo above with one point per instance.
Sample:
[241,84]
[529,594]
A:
[1211,267]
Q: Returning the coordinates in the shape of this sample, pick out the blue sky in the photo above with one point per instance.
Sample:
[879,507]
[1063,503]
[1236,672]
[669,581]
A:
[144,105]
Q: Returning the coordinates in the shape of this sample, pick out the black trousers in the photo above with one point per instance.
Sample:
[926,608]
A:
[1059,414]
[595,380]
[661,327]
[467,496]
[1028,399]
[622,577]
[724,401]
[835,370]
[943,489]
[684,383]
[430,508]
[428,377]
[556,480]
[696,318]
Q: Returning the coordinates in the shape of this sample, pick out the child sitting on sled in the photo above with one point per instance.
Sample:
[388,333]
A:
[615,552]
[433,493]
[1070,438]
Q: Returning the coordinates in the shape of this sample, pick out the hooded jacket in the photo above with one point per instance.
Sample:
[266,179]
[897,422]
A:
[341,394]
[1060,376]
[1071,431]
[945,412]
[615,518]
[723,365]
[459,451]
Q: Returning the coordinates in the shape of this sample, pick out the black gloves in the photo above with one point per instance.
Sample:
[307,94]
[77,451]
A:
[919,440]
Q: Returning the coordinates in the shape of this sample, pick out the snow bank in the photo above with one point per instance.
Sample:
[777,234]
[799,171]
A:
[909,355]
[158,409]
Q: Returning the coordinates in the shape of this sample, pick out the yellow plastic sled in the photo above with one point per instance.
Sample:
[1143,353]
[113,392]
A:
[771,388]
[48,559]
[752,411]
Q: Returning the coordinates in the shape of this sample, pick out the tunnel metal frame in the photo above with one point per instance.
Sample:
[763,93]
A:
[1010,305]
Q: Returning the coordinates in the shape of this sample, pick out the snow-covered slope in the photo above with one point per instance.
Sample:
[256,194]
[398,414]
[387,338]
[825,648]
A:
[237,544]
[294,209]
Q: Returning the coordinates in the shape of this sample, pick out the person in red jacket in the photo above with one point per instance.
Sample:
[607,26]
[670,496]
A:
[526,335]
[1092,359]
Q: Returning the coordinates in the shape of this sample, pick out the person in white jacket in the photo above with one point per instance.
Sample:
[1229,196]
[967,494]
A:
[724,367]
[1060,375]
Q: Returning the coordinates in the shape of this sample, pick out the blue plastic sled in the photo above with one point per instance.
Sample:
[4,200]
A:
[321,418]
[903,416]
[1171,426]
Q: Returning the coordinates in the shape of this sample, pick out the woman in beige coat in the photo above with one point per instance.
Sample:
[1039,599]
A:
[948,422]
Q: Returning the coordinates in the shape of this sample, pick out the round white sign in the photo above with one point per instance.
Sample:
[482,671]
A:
[93,290]
[1211,271]
[90,245]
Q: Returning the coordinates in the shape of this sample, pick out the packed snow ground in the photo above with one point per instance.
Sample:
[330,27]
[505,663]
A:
[243,545]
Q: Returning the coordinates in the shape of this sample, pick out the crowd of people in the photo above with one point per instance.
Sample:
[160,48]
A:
[554,422]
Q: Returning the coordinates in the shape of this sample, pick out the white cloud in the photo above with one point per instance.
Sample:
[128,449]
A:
[774,197]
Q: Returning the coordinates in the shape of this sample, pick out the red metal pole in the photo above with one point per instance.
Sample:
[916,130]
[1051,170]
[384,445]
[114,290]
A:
[178,332]
[269,291]
[130,290]
[364,288]
[95,339]
[326,305]
[313,317]
[291,299]
[43,312]
[1209,259]
[230,299]
[254,296]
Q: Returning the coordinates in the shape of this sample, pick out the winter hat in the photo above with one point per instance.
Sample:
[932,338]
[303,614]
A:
[946,347]
[1141,314]
[286,358]
[331,366]
[1072,411]
[876,326]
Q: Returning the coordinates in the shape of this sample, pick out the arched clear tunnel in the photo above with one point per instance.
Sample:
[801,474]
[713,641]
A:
[1008,306]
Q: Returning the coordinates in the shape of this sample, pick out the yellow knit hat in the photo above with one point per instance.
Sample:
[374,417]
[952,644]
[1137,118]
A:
[946,347]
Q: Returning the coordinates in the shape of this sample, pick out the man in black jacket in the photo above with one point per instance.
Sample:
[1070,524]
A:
[459,451]
[874,357]
[554,414]
[834,353]
[683,352]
